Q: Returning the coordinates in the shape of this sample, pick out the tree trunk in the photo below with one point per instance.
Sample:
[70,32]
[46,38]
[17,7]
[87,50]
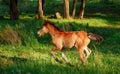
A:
[74,8]
[43,1]
[81,13]
[66,9]
[40,9]
[13,10]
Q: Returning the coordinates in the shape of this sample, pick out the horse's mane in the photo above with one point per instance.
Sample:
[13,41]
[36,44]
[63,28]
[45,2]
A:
[46,21]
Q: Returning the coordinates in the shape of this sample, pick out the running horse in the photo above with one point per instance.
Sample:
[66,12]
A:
[62,40]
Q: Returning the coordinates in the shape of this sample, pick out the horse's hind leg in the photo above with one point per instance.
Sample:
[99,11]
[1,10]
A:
[54,56]
[82,55]
[88,52]
[65,58]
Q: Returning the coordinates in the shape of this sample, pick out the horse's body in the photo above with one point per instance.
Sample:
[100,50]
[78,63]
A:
[62,40]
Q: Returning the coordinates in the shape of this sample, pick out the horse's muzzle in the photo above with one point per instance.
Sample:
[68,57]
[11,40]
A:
[39,33]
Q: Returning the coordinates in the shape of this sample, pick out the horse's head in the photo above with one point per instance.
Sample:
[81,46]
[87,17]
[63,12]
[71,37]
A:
[43,30]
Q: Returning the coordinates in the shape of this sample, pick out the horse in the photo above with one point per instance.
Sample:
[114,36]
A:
[62,40]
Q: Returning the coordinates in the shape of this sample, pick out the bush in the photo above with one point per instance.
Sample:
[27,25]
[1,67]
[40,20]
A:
[9,36]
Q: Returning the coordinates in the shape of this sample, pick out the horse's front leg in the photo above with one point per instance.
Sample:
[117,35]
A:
[54,56]
[65,58]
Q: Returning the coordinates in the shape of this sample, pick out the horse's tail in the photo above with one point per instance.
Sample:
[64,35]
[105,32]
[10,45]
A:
[95,37]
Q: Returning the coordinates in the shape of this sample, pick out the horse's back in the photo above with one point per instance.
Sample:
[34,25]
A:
[72,38]
[82,34]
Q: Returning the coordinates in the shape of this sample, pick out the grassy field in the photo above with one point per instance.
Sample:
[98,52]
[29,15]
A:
[31,55]
[22,51]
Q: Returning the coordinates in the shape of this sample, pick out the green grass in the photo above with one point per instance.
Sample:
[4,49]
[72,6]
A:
[38,60]
[31,54]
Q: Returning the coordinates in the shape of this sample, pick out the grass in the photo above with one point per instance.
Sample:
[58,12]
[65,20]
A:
[31,60]
[31,54]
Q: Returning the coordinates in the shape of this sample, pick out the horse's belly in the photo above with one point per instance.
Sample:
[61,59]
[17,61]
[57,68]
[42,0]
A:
[69,40]
[68,44]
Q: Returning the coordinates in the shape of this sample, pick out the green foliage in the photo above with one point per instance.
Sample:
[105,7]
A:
[5,2]
[31,54]
[93,7]
[20,33]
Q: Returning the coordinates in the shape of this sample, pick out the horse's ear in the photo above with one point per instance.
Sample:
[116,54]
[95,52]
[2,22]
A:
[45,20]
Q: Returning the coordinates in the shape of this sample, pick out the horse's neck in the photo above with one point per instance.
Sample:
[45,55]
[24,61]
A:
[52,30]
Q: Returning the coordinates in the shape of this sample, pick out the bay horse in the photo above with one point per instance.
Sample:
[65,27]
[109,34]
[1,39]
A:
[62,40]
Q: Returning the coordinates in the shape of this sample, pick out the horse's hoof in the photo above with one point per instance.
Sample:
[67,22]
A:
[78,65]
[70,64]
[58,61]
[82,64]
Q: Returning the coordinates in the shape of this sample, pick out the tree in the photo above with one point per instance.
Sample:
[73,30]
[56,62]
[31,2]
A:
[40,9]
[82,7]
[14,10]
[74,8]
[66,9]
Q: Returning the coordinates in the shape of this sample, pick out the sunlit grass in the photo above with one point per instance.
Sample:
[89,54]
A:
[33,55]
[93,22]
[36,61]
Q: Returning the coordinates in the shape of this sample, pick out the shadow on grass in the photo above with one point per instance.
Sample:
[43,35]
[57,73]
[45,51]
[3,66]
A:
[110,10]
[49,68]
[14,59]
